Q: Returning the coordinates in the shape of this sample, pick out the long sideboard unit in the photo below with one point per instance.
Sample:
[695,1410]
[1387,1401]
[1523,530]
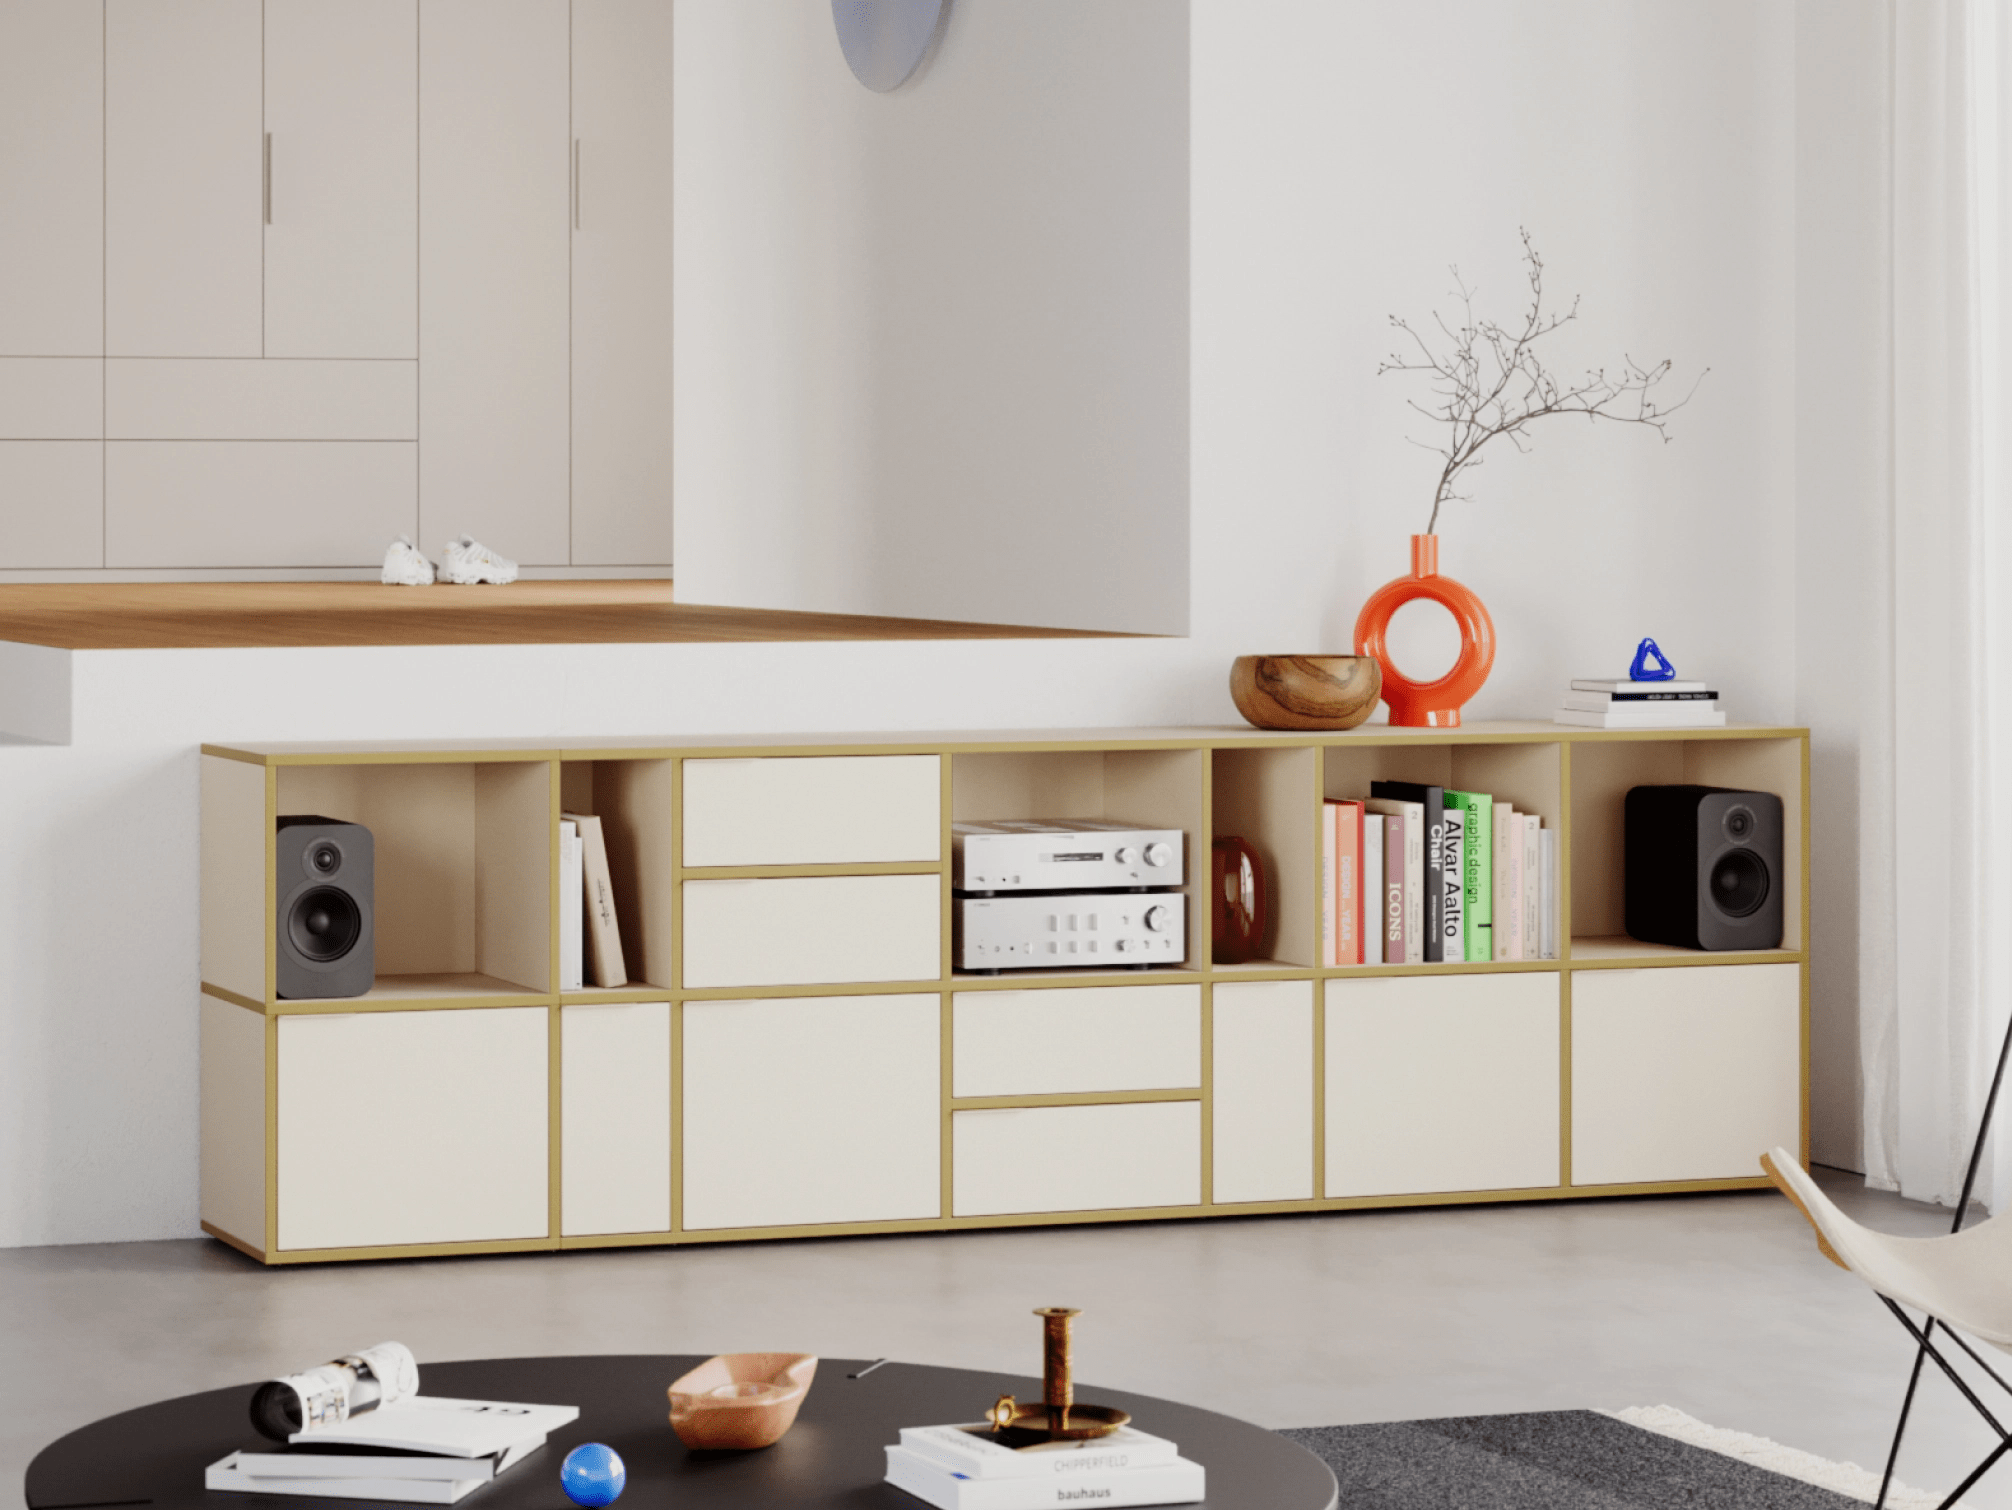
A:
[797,1056]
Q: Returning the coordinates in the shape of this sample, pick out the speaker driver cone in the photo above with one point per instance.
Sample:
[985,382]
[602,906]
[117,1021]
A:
[1739,883]
[324,923]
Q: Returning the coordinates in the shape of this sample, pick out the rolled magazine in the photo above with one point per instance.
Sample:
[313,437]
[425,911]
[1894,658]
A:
[331,1394]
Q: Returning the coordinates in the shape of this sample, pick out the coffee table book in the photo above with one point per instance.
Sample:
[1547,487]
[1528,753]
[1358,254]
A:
[971,1450]
[1179,1482]
[409,1478]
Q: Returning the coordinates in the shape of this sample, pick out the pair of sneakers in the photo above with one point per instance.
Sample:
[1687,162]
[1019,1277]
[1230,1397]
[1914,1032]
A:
[465,560]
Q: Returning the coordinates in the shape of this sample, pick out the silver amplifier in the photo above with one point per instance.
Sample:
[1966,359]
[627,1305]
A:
[1064,854]
[1110,930]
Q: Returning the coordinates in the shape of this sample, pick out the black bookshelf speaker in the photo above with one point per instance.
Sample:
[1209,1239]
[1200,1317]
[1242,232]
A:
[326,872]
[1704,867]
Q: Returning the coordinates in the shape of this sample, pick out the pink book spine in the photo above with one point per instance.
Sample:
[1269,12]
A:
[1348,888]
[1330,866]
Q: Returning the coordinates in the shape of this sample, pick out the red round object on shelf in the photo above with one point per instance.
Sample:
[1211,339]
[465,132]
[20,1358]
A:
[1434,704]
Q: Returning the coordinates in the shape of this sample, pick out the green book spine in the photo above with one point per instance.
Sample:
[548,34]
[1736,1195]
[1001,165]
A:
[1478,814]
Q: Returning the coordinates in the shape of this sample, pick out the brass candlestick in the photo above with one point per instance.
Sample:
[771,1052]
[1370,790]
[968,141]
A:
[1058,1418]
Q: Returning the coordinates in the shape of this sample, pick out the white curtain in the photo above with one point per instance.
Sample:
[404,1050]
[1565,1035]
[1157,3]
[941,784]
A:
[1936,762]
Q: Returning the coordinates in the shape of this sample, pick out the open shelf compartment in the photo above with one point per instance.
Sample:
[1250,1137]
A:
[635,801]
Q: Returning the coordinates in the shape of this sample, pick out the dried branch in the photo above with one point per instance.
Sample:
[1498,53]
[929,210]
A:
[1490,383]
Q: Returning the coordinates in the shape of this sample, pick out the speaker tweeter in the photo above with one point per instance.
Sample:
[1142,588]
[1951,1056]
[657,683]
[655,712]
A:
[325,938]
[1703,867]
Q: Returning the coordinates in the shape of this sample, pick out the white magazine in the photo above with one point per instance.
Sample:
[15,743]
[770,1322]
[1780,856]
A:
[452,1428]
[378,1464]
[227,1478]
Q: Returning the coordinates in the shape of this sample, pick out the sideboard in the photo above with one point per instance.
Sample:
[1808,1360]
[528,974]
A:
[797,1056]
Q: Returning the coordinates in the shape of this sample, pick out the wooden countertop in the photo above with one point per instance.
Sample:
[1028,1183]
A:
[215,615]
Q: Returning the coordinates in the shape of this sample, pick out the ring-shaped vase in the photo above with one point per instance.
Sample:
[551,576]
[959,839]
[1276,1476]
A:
[1434,704]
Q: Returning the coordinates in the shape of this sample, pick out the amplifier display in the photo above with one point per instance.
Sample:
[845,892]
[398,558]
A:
[1110,930]
[1064,854]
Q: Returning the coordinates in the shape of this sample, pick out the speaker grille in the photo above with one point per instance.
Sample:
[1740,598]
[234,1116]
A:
[324,924]
[1739,883]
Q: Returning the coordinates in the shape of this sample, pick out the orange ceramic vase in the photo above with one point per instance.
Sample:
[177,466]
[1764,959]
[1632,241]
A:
[1428,705]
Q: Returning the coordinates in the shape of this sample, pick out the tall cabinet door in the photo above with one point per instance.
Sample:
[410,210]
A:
[52,123]
[184,176]
[621,513]
[342,233]
[494,155]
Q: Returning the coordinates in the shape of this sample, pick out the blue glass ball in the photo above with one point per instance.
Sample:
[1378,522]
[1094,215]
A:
[593,1475]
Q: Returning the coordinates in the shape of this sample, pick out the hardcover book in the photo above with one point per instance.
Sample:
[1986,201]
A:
[1431,802]
[1411,927]
[1373,851]
[1477,813]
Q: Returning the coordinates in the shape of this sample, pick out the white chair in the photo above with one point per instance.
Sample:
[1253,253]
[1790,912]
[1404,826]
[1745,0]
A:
[1962,1282]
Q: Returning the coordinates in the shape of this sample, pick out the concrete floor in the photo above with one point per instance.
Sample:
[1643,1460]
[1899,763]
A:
[1718,1305]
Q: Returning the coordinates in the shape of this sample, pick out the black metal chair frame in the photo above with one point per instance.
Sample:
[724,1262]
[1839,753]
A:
[1924,1334]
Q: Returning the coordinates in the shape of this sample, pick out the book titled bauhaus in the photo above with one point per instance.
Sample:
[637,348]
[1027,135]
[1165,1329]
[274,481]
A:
[1179,1482]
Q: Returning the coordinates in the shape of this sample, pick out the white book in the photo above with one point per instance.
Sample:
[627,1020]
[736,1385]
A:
[1533,886]
[452,1428]
[1657,716]
[1549,926]
[367,1464]
[1413,814]
[572,908]
[225,1477]
[1374,935]
[1595,684]
[1177,1483]
[1599,702]
[972,1451]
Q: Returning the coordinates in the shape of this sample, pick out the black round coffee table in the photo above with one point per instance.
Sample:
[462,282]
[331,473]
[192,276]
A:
[155,1456]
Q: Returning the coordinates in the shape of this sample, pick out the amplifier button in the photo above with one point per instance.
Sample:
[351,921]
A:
[1158,854]
[1156,918]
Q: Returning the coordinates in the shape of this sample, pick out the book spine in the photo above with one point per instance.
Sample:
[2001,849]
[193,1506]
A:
[1532,888]
[1435,853]
[1478,862]
[604,932]
[1395,853]
[1414,884]
[1452,890]
[958,1452]
[1330,889]
[1348,888]
[1372,888]
[1174,1483]
[572,909]
[1503,875]
[1551,899]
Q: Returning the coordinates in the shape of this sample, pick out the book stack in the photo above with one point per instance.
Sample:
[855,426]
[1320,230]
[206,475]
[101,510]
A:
[424,1450]
[1423,875]
[1595,704]
[589,932]
[967,1468]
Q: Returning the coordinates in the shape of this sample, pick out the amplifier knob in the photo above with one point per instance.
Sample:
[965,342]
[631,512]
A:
[1158,854]
[1156,919]
[1123,854]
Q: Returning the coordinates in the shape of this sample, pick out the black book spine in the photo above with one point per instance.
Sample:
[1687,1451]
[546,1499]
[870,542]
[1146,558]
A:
[1433,798]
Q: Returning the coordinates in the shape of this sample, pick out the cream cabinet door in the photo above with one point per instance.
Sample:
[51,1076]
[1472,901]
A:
[813,930]
[811,1110]
[1014,1161]
[1441,1083]
[1684,1073]
[813,810]
[184,179]
[413,1127]
[52,178]
[615,1118]
[494,157]
[621,283]
[1120,1038]
[1261,1081]
[342,227]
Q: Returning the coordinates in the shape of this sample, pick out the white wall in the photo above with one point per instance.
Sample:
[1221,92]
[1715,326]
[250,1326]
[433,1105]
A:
[932,345]
[1342,155]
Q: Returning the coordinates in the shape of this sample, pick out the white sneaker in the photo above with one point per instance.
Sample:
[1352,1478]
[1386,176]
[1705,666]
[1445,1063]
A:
[405,566]
[468,560]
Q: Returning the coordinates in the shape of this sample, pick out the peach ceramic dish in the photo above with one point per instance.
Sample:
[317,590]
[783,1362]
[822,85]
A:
[741,1400]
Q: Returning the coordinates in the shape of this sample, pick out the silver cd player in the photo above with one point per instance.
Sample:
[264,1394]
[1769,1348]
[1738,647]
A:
[1064,854]
[1110,930]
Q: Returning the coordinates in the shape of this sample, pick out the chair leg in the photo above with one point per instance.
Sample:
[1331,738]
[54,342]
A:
[1927,1349]
[1900,1428]
[1976,1473]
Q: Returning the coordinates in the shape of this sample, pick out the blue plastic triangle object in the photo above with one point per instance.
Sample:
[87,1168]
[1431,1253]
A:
[1650,664]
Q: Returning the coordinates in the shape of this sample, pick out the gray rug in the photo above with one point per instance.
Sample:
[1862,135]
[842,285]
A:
[1546,1460]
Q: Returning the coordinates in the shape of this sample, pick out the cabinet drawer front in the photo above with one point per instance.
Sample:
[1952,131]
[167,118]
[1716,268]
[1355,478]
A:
[1445,1083]
[813,930]
[412,1127]
[814,810]
[812,1110]
[1120,1038]
[253,503]
[615,1118]
[253,400]
[1261,1086]
[1077,1158]
[52,503]
[52,398]
[1687,1073]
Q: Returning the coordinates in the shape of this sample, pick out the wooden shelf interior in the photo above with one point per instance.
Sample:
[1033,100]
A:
[463,857]
[1152,788]
[1269,799]
[634,799]
[1603,771]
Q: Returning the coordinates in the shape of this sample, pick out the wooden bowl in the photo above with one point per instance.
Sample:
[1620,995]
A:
[1306,691]
[741,1400]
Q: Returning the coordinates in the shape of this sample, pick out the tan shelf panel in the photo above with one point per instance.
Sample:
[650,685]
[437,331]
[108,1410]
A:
[1263,967]
[635,990]
[962,980]
[453,988]
[1457,967]
[1618,949]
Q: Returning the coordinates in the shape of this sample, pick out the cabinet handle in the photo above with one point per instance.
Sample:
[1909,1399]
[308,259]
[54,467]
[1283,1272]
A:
[576,183]
[266,171]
